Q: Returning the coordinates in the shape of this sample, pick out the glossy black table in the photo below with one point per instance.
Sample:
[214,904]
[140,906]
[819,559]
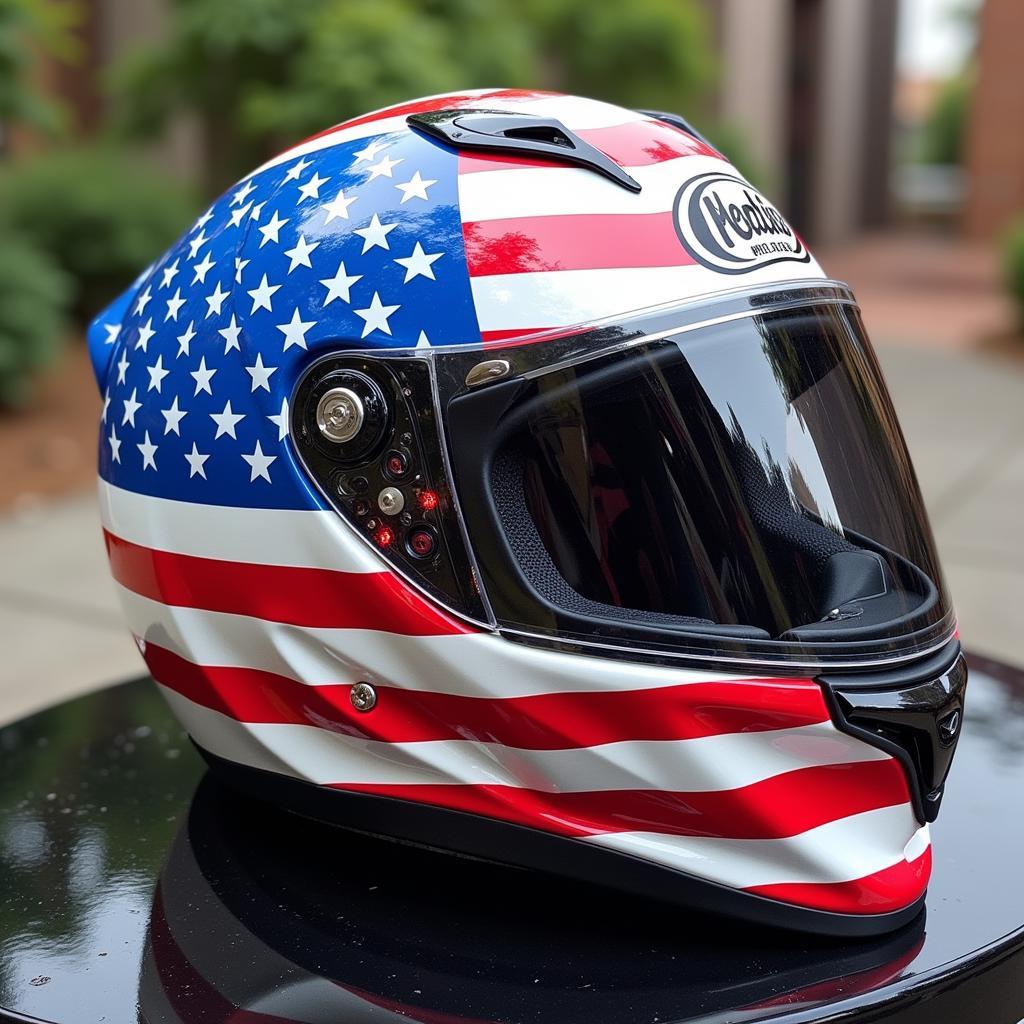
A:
[133,887]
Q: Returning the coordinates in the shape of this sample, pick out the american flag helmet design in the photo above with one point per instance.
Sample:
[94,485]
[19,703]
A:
[257,606]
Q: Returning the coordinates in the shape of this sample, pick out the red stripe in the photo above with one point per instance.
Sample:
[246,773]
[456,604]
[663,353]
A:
[423,106]
[890,889]
[583,241]
[295,595]
[776,808]
[636,144]
[508,338]
[554,721]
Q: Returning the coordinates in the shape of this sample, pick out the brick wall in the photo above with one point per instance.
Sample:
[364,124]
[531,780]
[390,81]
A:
[995,137]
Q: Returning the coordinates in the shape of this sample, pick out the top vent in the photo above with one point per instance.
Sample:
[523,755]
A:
[521,134]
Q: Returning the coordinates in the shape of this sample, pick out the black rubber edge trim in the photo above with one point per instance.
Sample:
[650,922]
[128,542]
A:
[456,831]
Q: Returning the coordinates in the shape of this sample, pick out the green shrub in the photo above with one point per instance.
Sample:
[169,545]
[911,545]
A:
[34,294]
[1013,257]
[100,216]
[945,130]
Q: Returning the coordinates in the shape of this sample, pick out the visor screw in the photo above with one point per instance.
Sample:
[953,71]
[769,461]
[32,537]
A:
[363,696]
[391,501]
[340,415]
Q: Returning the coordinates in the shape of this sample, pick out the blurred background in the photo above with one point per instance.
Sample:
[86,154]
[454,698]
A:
[891,132]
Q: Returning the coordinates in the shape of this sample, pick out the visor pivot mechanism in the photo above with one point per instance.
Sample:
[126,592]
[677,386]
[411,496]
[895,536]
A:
[340,415]
[363,696]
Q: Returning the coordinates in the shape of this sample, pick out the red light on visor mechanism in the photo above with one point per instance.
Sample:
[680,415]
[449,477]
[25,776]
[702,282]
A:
[384,537]
[428,500]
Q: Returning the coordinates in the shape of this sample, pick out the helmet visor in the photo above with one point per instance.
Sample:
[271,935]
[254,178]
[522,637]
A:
[736,487]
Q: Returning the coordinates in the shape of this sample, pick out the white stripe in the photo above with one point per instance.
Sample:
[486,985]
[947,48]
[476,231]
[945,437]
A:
[839,851]
[295,537]
[557,190]
[566,298]
[703,765]
[471,664]
[576,112]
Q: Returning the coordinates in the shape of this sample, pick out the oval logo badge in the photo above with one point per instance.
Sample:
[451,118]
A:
[726,225]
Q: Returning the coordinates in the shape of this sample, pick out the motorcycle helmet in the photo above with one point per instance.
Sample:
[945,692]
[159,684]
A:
[500,472]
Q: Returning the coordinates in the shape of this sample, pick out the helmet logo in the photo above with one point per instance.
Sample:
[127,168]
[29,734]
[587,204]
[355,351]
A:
[727,226]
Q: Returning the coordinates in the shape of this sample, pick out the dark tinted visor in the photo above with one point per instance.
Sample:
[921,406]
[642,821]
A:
[741,486]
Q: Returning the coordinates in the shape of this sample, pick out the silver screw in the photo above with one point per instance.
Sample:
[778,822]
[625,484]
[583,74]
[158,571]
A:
[339,415]
[363,696]
[391,501]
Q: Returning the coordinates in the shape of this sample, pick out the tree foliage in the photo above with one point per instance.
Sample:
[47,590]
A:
[262,73]
[34,296]
[100,217]
[28,27]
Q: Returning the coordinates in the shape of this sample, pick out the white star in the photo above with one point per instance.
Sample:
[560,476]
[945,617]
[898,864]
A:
[295,330]
[311,190]
[338,206]
[259,464]
[215,300]
[169,274]
[202,377]
[257,211]
[295,171]
[384,167]
[106,405]
[375,233]
[414,188]
[115,444]
[376,316]
[300,254]
[184,340]
[419,264]
[122,367]
[243,193]
[260,374]
[423,341]
[195,462]
[196,244]
[281,420]
[148,450]
[339,285]
[172,417]
[131,407]
[262,295]
[226,421]
[156,374]
[113,330]
[142,301]
[202,269]
[145,333]
[272,229]
[230,336]
[239,215]
[204,220]
[240,265]
[173,305]
[370,151]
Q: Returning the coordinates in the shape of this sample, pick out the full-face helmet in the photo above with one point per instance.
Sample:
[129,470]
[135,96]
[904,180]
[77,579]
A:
[500,472]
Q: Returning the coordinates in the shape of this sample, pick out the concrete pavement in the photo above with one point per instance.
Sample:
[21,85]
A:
[61,631]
